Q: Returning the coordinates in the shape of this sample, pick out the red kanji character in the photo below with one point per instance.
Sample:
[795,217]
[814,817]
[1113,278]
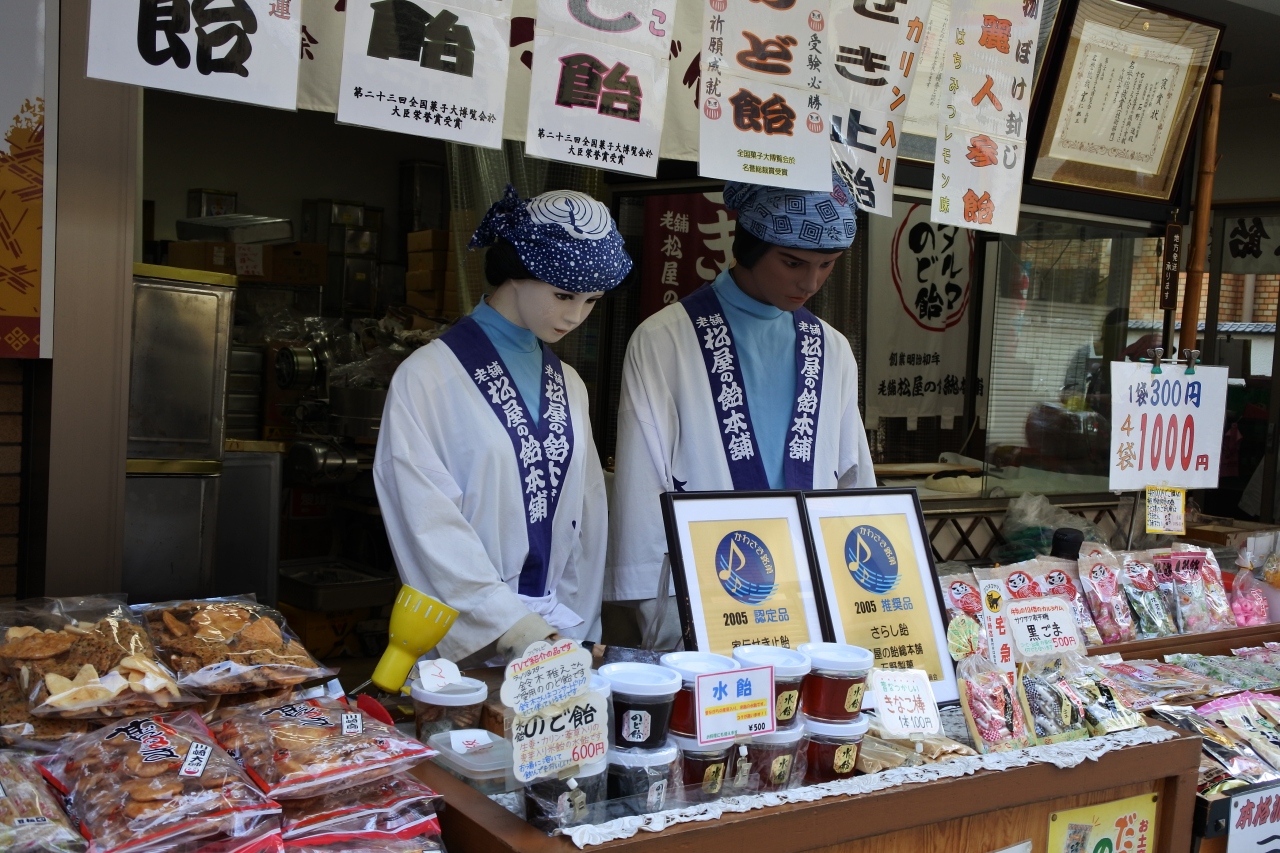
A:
[982,152]
[978,209]
[985,92]
[1263,812]
[1246,815]
[995,33]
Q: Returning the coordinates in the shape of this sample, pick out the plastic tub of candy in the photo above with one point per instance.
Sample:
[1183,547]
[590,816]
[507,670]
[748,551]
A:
[789,669]
[643,694]
[489,770]
[549,804]
[705,770]
[690,665]
[773,756]
[643,777]
[832,749]
[452,707]
[833,689]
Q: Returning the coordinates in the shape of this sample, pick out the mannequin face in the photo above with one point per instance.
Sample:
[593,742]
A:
[547,311]
[786,278]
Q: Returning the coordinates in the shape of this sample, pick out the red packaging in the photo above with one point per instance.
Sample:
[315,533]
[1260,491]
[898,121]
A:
[389,805]
[1100,577]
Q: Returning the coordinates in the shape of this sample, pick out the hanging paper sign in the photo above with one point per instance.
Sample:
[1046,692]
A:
[1166,510]
[595,105]
[876,53]
[773,42]
[519,68]
[977,180]
[1252,246]
[688,241]
[425,69]
[864,150]
[243,50]
[684,89]
[1166,428]
[636,25]
[560,737]
[904,702]
[926,96]
[764,134]
[1170,262]
[320,68]
[734,704]
[546,675]
[1043,626]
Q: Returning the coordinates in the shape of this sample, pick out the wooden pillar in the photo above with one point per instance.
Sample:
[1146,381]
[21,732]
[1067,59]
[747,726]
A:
[1200,225]
[93,299]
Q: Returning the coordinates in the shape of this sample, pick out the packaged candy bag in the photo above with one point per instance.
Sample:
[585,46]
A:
[1062,578]
[1231,751]
[1243,718]
[1248,603]
[1202,598]
[1055,715]
[1104,711]
[1162,563]
[159,783]
[1100,577]
[960,591]
[1151,620]
[991,707]
[1145,683]
[1216,593]
[1238,672]
[388,805]
[31,821]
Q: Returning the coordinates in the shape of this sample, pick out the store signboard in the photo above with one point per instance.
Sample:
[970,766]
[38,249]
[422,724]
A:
[595,104]
[426,69]
[1253,244]
[1166,428]
[1254,822]
[918,348]
[688,241]
[1118,826]
[243,50]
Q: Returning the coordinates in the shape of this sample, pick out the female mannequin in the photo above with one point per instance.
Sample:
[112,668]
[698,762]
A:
[486,470]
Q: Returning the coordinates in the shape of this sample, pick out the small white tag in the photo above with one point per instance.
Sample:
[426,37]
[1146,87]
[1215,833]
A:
[353,724]
[219,256]
[197,758]
[657,796]
[470,740]
[638,726]
[30,821]
[434,675]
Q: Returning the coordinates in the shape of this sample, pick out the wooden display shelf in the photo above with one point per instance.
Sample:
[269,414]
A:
[1212,643]
[986,811]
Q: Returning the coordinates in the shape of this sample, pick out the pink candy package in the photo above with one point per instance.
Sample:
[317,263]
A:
[1100,576]
[1202,598]
[1248,603]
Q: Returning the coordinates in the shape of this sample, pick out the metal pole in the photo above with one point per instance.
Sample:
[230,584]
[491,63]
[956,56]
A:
[1200,225]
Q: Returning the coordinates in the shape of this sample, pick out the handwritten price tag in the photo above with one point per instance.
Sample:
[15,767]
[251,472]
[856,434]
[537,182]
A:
[546,675]
[730,704]
[904,702]
[1166,510]
[1043,626]
[556,738]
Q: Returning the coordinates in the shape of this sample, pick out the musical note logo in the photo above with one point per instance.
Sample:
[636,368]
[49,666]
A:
[871,559]
[743,571]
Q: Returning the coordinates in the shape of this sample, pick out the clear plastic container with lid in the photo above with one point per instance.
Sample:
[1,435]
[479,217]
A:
[454,706]
[690,665]
[773,757]
[833,690]
[643,694]
[706,770]
[551,804]
[832,749]
[489,771]
[789,669]
[644,778]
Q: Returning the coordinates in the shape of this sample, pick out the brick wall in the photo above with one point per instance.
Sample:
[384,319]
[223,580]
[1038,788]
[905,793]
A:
[1144,297]
[11,399]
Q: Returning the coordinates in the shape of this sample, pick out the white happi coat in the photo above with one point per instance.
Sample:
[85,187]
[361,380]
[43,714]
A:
[453,503]
[669,440]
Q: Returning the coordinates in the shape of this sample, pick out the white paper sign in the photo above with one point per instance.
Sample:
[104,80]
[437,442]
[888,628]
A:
[436,674]
[926,95]
[734,704]
[1166,510]
[425,69]
[999,638]
[864,150]
[238,50]
[1254,823]
[353,723]
[320,68]
[633,24]
[546,675]
[875,49]
[1043,626]
[764,134]
[553,739]
[1166,428]
[768,42]
[470,740]
[595,105]
[977,180]
[197,758]
[904,702]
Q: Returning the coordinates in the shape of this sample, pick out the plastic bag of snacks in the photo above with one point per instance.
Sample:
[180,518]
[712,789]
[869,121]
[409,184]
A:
[1248,603]
[368,842]
[1104,710]
[84,658]
[156,783]
[1062,578]
[1202,599]
[990,706]
[31,821]
[1233,752]
[1246,720]
[1233,671]
[1054,713]
[1167,584]
[1151,619]
[391,804]
[1100,576]
[1145,683]
[20,728]
[229,645]
[299,749]
[960,591]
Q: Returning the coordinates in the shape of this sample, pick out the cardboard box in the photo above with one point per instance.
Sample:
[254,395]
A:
[1230,532]
[424,280]
[279,263]
[326,635]
[428,241]
[426,261]
[426,301]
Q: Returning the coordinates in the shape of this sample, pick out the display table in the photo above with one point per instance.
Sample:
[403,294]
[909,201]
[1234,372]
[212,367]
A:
[983,812]
[1209,643]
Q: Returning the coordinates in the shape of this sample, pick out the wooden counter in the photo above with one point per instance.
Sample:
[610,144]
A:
[975,814]
[1210,643]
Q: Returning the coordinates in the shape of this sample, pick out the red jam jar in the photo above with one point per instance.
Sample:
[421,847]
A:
[643,694]
[706,769]
[789,669]
[690,665]
[833,690]
[832,749]
[773,757]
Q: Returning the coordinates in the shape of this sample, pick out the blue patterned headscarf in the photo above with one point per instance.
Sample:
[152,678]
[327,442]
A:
[565,238]
[795,218]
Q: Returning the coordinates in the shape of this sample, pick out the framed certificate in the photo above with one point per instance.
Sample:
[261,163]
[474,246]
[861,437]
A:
[1131,83]
[877,582]
[741,569]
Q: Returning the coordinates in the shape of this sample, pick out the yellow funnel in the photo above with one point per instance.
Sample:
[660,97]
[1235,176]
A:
[418,623]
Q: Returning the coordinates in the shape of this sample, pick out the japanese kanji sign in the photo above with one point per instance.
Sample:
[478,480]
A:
[688,241]
[926,95]
[546,675]
[238,50]
[1252,244]
[1254,821]
[320,65]
[918,347]
[632,24]
[425,69]
[734,704]
[573,732]
[767,42]
[977,180]
[1166,428]
[1119,826]
[595,104]
[1166,510]
[1043,626]
[904,702]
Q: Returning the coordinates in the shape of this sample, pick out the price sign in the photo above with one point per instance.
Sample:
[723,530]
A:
[905,703]
[554,739]
[1166,428]
[731,704]
[1043,626]
[546,675]
[1166,510]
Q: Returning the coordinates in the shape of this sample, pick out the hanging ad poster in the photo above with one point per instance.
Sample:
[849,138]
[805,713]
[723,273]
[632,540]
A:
[688,241]
[426,69]
[246,50]
[684,88]
[1122,826]
[877,579]
[864,150]
[320,59]
[977,181]
[778,43]
[635,25]
[1118,104]
[926,97]
[741,570]
[595,105]
[917,350]
[28,112]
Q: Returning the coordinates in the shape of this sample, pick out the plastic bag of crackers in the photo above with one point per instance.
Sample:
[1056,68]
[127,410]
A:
[82,658]
[31,820]
[160,783]
[229,645]
[301,748]
[20,728]
[395,814]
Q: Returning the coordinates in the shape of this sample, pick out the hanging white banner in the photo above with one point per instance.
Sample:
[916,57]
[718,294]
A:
[595,105]
[425,69]
[635,25]
[239,50]
[768,42]
[684,86]
[320,68]
[977,180]
[864,150]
